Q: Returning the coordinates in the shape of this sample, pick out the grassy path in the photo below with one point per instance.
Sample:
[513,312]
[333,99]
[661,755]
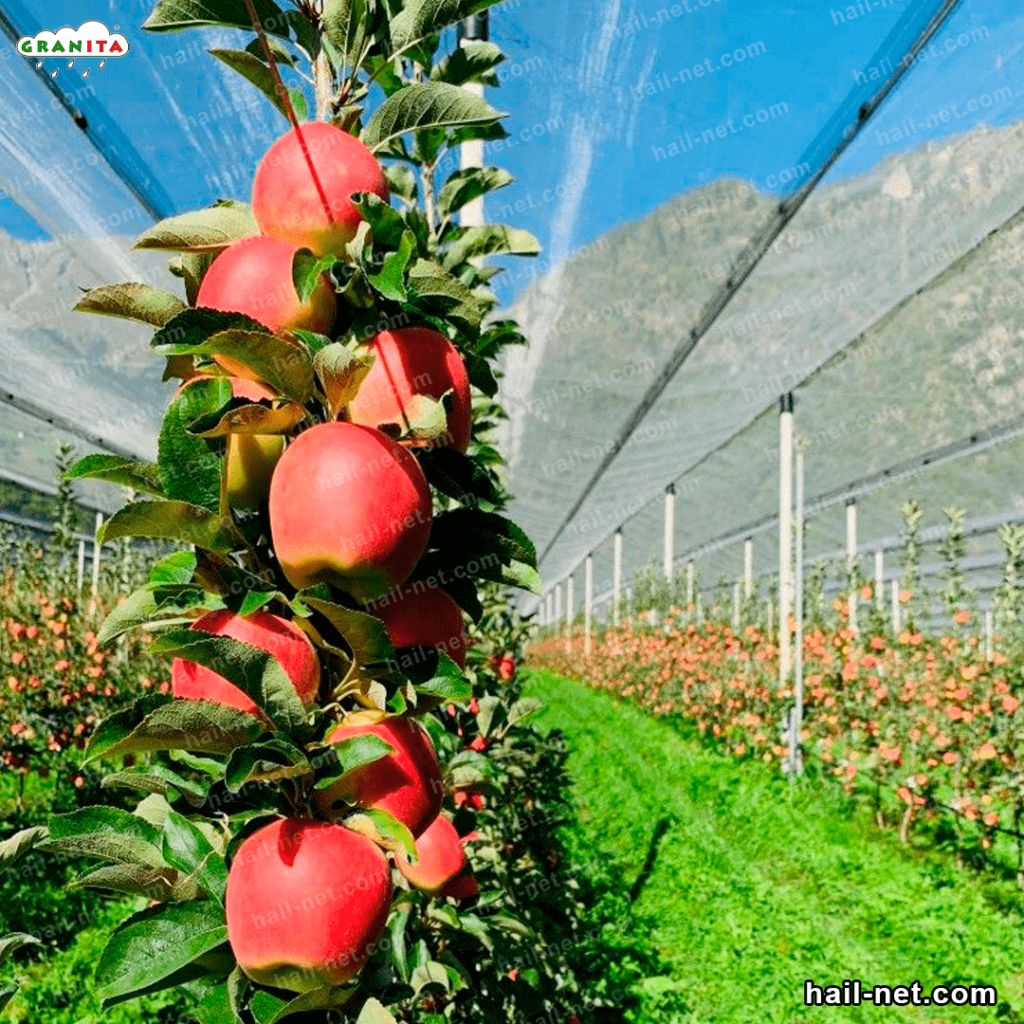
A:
[751,892]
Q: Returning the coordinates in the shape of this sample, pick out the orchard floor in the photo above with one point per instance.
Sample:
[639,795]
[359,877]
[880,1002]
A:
[747,890]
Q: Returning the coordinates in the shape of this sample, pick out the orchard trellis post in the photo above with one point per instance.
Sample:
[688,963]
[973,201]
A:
[785,533]
[617,577]
[475,28]
[895,589]
[570,602]
[748,568]
[690,578]
[81,566]
[796,761]
[736,602]
[852,567]
[96,556]
[879,580]
[558,609]
[588,602]
[989,629]
[669,553]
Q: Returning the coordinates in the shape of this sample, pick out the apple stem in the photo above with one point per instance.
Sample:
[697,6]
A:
[287,103]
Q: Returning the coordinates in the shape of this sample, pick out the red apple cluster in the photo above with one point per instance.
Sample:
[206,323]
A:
[348,505]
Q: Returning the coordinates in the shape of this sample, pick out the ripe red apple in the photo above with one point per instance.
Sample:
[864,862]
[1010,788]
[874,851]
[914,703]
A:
[441,858]
[423,616]
[254,276]
[288,201]
[506,668]
[306,902]
[411,362]
[270,633]
[406,784]
[350,507]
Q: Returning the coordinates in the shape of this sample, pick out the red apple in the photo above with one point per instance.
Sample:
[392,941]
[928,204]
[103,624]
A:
[423,616]
[350,507]
[461,888]
[409,363]
[270,633]
[406,784]
[254,276]
[441,858]
[312,207]
[306,902]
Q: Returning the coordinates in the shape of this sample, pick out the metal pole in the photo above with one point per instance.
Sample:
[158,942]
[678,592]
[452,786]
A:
[690,579]
[558,609]
[736,590]
[471,152]
[748,568]
[895,606]
[670,531]
[785,533]
[879,580]
[796,760]
[588,602]
[96,556]
[570,601]
[617,577]
[851,559]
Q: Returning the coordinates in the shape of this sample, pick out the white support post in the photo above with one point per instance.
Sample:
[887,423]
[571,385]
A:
[570,611]
[785,534]
[471,152]
[669,554]
[989,644]
[96,558]
[81,566]
[879,580]
[588,602]
[895,606]
[851,559]
[771,617]
[558,609]
[736,591]
[617,577]
[796,758]
[700,611]
[690,579]
[748,568]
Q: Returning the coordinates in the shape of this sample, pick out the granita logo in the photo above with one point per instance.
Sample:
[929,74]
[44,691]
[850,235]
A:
[90,39]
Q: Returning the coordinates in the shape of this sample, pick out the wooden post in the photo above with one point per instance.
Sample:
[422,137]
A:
[879,580]
[851,559]
[81,566]
[785,534]
[669,553]
[895,607]
[588,602]
[617,577]
[748,568]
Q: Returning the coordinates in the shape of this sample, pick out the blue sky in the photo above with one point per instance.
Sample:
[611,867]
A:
[616,106]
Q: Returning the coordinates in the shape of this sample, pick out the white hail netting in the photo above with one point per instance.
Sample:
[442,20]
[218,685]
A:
[651,142]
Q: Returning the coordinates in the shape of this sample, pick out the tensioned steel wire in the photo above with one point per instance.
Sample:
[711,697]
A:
[977,441]
[844,124]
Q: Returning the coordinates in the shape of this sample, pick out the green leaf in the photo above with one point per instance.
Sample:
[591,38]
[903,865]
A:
[256,672]
[390,281]
[432,973]
[188,848]
[254,70]
[284,365]
[155,778]
[402,182]
[139,880]
[173,15]
[387,225]
[446,681]
[14,941]
[270,1009]
[131,301]
[307,270]
[215,1008]
[156,606]
[365,636]
[179,567]
[460,477]
[158,722]
[141,476]
[274,759]
[108,833]
[340,373]
[384,829]
[491,715]
[207,409]
[190,467]
[340,759]
[473,61]
[523,709]
[500,550]
[13,848]
[347,23]
[420,18]
[172,520]
[208,230]
[147,952]
[435,288]
[490,240]
[373,1012]
[465,186]
[426,105]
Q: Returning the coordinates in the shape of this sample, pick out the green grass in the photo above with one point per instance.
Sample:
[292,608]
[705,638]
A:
[753,889]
